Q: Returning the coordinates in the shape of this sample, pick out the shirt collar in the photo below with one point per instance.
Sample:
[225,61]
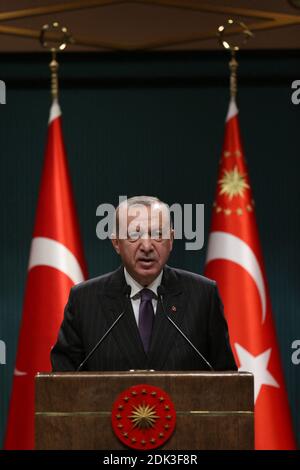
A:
[136,287]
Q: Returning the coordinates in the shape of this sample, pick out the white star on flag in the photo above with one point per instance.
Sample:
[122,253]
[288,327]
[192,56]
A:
[257,365]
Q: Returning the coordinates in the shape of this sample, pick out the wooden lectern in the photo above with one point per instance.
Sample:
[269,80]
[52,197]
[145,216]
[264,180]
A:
[214,409]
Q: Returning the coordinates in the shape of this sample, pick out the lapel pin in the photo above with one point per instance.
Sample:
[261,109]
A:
[173,308]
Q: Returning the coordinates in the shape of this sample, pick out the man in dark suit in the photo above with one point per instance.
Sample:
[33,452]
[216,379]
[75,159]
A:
[144,338]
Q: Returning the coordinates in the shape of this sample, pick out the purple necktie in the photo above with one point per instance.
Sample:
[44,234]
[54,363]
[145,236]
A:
[146,317]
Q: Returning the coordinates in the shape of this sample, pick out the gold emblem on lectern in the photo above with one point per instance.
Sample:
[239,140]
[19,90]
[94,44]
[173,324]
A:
[143,417]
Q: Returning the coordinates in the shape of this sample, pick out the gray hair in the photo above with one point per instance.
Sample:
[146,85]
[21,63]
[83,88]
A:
[147,201]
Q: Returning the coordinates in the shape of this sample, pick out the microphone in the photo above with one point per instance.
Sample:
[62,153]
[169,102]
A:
[161,291]
[127,291]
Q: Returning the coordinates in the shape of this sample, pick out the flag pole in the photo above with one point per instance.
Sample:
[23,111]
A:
[233,65]
[53,47]
[233,48]
[233,250]
[55,244]
[54,76]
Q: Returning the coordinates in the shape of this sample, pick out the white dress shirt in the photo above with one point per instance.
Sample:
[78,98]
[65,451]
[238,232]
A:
[135,292]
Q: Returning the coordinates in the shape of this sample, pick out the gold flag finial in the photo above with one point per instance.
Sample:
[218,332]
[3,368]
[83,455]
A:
[55,40]
[223,32]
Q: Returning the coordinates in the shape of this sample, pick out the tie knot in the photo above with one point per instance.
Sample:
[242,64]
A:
[146,294]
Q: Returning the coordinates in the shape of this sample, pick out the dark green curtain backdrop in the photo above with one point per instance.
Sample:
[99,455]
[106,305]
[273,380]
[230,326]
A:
[152,124]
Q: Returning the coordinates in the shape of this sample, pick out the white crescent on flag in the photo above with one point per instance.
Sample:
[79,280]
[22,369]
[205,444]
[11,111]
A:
[224,245]
[55,111]
[47,252]
[19,373]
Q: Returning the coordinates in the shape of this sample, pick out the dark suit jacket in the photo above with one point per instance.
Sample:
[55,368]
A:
[95,304]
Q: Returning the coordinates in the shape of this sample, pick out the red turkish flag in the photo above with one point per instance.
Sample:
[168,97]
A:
[56,263]
[235,261]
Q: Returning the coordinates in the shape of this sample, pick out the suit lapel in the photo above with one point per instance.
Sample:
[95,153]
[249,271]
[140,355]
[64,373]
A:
[164,334]
[126,334]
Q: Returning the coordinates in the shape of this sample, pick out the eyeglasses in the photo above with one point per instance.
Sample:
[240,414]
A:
[157,235]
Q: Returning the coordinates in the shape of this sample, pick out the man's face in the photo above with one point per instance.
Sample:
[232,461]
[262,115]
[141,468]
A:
[144,240]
